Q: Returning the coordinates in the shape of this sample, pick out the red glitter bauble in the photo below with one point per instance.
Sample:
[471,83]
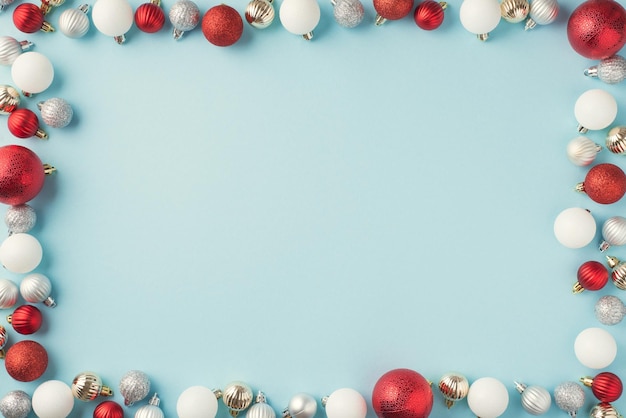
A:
[607,387]
[28,18]
[222,25]
[593,275]
[108,409]
[596,29]
[429,14]
[26,319]
[604,183]
[393,9]
[21,175]
[23,123]
[26,361]
[402,393]
[149,17]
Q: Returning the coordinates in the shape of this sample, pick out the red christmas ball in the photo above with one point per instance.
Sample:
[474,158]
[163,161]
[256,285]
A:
[28,18]
[596,29]
[21,175]
[149,17]
[402,393]
[604,183]
[26,361]
[429,15]
[593,275]
[108,409]
[24,123]
[393,9]
[26,319]
[607,387]
[222,25]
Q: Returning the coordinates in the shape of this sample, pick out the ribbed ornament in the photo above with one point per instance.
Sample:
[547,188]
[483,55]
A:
[4,338]
[514,11]
[261,409]
[26,319]
[24,123]
[29,18]
[11,48]
[536,400]
[36,288]
[606,386]
[619,272]
[542,12]
[47,5]
[260,13]
[87,386]
[616,140]
[9,99]
[74,23]
[454,387]
[8,294]
[429,14]
[108,409]
[582,151]
[237,396]
[149,17]
[591,275]
[604,410]
[610,310]
[151,410]
[613,232]
[611,70]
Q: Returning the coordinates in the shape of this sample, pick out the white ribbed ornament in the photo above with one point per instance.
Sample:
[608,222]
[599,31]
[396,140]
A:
[151,410]
[542,12]
[36,288]
[613,232]
[261,409]
[11,48]
[582,151]
[74,23]
[535,399]
[8,294]
[610,70]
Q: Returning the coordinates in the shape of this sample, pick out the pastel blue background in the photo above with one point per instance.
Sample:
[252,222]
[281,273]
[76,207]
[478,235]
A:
[306,216]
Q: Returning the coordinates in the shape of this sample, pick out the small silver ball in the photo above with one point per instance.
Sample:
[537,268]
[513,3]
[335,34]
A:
[134,386]
[15,404]
[184,16]
[348,13]
[569,396]
[302,405]
[20,219]
[610,310]
[56,112]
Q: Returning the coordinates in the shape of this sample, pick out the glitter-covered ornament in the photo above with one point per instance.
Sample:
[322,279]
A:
[9,99]
[29,18]
[149,17]
[134,386]
[301,405]
[604,183]
[570,397]
[74,23]
[596,29]
[619,272]
[582,151]
[536,400]
[514,11]
[542,12]
[616,140]
[611,70]
[21,174]
[260,409]
[591,275]
[184,16]
[605,386]
[108,409]
[391,10]
[8,294]
[151,410]
[402,393]
[613,232]
[26,361]
[610,310]
[237,396]
[604,410]
[20,218]
[260,13]
[56,112]
[36,288]
[429,14]
[222,25]
[87,386]
[348,13]
[453,388]
[11,48]
[15,404]
[23,123]
[25,319]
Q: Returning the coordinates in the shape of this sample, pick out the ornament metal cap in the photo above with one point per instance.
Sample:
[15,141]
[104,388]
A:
[575,290]
[308,36]
[120,39]
[482,36]
[379,20]
[48,169]
[530,24]
[520,387]
[581,129]
[612,261]
[324,401]
[586,380]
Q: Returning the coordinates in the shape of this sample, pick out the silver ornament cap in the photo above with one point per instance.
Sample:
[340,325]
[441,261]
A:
[20,218]
[15,404]
[184,16]
[610,310]
[301,405]
[260,13]
[610,70]
[536,400]
[134,386]
[9,99]
[348,13]
[570,397]
[514,11]
[542,12]
[11,48]
[56,112]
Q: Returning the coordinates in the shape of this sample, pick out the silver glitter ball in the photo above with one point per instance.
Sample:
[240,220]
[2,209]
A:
[610,310]
[610,70]
[570,397]
[9,99]
[616,140]
[20,219]
[184,16]
[56,112]
[11,48]
[582,151]
[134,386]
[348,13]
[8,294]
[74,23]
[542,12]
[15,404]
[535,399]
[514,11]
[260,13]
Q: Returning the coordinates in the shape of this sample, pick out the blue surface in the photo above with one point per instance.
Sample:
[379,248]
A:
[306,216]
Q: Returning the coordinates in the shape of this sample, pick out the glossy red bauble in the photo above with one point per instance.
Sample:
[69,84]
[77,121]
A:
[402,393]
[393,9]
[429,14]
[108,409]
[26,319]
[28,18]
[604,183]
[21,175]
[596,29]
[149,17]
[607,387]
[222,25]
[592,275]
[24,123]
[26,361]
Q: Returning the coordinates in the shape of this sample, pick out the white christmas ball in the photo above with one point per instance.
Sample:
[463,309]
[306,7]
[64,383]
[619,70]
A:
[488,397]
[345,403]
[595,109]
[112,17]
[574,227]
[53,399]
[299,16]
[480,16]
[197,402]
[20,253]
[595,348]
[32,72]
